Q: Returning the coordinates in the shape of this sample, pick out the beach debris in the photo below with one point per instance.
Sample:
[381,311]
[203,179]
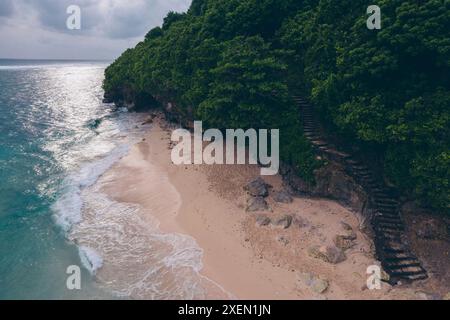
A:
[314,283]
[283,240]
[262,220]
[283,222]
[330,253]
[257,204]
[282,197]
[257,188]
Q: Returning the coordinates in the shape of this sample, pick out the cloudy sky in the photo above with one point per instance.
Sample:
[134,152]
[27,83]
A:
[36,29]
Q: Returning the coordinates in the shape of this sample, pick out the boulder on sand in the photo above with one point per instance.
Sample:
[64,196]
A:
[313,282]
[257,204]
[257,188]
[283,222]
[282,196]
[262,220]
[330,254]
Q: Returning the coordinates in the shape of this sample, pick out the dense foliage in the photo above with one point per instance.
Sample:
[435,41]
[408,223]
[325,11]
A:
[230,63]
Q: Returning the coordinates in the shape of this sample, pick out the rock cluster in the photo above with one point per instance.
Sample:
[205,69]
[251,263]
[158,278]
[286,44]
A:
[258,190]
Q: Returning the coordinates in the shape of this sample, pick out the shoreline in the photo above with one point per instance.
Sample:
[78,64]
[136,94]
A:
[241,259]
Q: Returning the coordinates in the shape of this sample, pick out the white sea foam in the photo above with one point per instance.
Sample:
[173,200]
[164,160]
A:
[68,207]
[90,259]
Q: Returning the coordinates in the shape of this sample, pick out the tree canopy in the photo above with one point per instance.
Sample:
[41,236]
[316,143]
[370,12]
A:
[233,63]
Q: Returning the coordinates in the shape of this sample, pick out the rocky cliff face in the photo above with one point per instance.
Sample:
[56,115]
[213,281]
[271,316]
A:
[332,182]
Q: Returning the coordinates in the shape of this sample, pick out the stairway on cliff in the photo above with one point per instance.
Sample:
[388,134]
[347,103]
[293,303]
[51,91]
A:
[391,243]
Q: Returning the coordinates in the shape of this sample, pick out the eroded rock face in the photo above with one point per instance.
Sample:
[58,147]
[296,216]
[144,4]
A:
[330,254]
[331,182]
[257,188]
[431,229]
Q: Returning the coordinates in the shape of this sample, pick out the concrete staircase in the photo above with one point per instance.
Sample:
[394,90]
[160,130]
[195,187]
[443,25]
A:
[390,239]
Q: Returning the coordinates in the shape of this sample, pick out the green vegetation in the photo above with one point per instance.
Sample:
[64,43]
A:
[230,63]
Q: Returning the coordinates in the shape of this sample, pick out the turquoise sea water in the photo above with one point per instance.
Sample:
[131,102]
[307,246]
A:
[55,134]
[57,138]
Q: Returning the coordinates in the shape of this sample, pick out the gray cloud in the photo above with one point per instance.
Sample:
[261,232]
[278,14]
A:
[115,24]
[6,8]
[111,18]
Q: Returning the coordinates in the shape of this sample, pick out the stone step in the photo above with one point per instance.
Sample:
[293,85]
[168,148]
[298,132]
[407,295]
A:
[417,274]
[398,256]
[404,263]
[388,202]
[388,211]
[391,226]
[319,143]
[387,219]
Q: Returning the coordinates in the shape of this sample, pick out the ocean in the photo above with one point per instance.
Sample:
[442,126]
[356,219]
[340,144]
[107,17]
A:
[56,138]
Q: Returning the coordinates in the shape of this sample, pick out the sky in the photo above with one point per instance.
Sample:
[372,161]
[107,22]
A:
[37,29]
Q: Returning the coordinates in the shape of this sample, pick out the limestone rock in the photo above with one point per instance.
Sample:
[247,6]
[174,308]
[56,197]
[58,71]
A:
[257,188]
[330,254]
[282,197]
[257,204]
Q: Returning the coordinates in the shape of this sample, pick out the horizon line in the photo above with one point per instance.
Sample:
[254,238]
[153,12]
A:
[57,59]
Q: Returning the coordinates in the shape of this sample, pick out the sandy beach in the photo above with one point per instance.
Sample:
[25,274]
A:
[242,259]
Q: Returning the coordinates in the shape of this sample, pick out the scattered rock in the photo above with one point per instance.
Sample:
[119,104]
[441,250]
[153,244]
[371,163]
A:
[257,204]
[330,254]
[313,282]
[343,243]
[431,229]
[262,221]
[257,188]
[282,197]
[446,296]
[284,222]
[283,240]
